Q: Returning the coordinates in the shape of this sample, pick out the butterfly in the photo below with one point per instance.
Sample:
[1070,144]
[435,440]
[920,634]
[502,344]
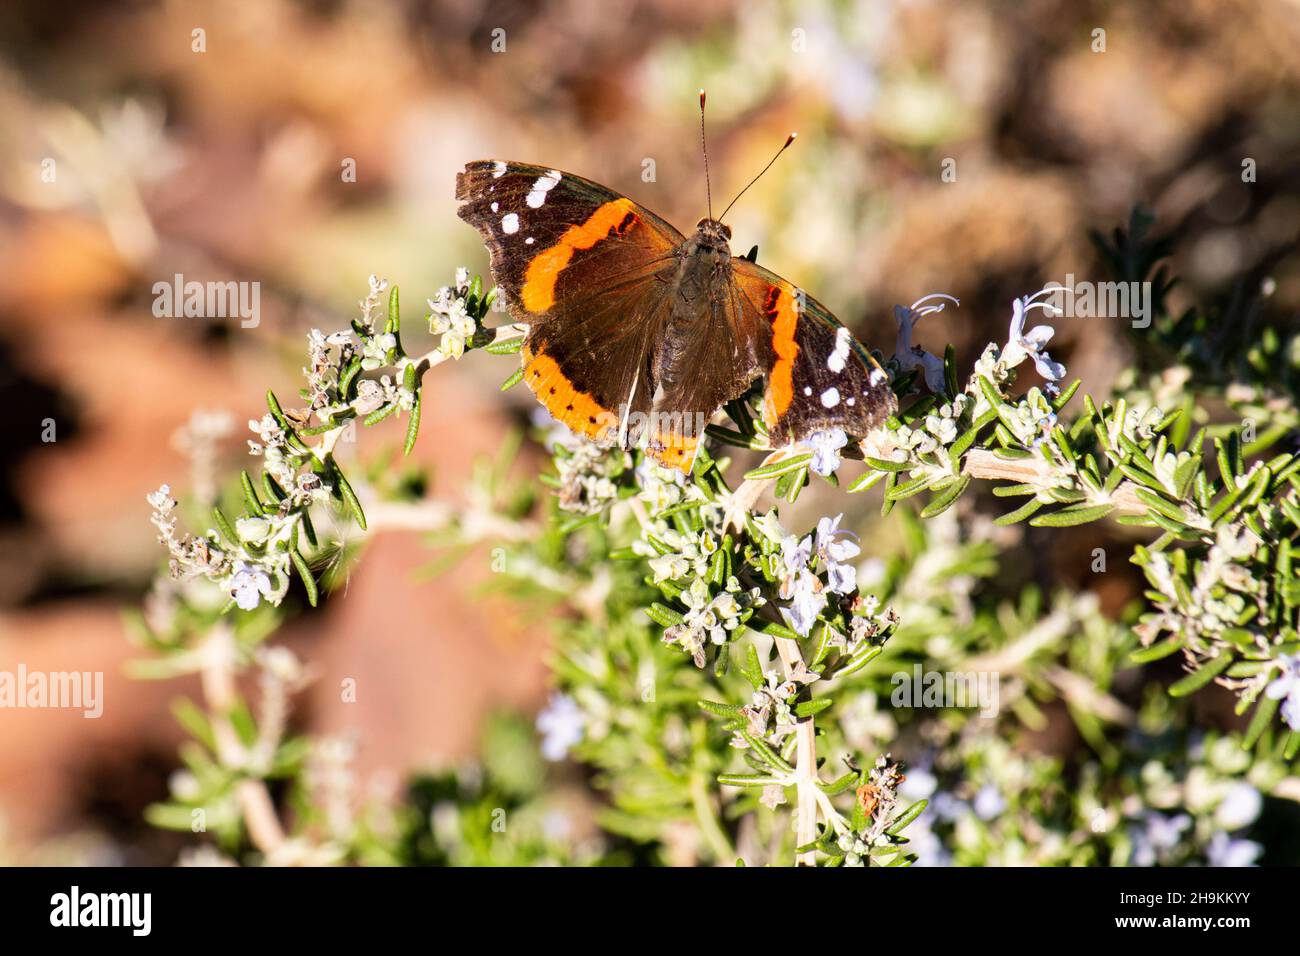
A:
[637,334]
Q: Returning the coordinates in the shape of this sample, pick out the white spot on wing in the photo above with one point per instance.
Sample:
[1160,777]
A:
[529,241]
[877,376]
[841,354]
[540,188]
[807,389]
[509,223]
[496,206]
[498,170]
[831,397]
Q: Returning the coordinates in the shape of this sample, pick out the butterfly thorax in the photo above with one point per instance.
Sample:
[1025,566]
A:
[703,267]
[702,275]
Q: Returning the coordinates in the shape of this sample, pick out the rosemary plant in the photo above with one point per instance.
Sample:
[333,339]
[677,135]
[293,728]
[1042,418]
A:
[724,670]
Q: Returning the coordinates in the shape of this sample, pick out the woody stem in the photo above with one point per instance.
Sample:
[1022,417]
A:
[980,463]
[218,681]
[805,770]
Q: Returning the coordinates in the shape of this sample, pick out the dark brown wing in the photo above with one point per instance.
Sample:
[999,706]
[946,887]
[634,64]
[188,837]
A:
[820,376]
[721,352]
[588,271]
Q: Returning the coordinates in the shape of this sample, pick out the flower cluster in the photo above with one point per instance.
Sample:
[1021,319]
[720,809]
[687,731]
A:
[814,569]
[711,618]
[589,476]
[450,316]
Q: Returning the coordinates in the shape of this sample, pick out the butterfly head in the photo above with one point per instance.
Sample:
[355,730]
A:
[711,234]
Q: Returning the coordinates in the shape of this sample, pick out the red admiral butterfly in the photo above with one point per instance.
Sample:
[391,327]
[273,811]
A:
[637,333]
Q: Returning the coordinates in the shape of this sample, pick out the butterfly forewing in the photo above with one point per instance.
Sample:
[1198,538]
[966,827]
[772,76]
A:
[586,269]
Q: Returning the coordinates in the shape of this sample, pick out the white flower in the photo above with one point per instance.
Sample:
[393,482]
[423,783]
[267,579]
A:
[710,620]
[370,396]
[161,500]
[826,447]
[1032,344]
[249,585]
[669,567]
[561,725]
[375,351]
[770,526]
[910,356]
[944,429]
[255,530]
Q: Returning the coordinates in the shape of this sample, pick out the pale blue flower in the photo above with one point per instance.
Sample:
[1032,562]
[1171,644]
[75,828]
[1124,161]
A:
[1223,850]
[946,806]
[832,543]
[1286,687]
[919,785]
[826,447]
[795,554]
[561,725]
[927,846]
[841,578]
[1161,833]
[910,356]
[807,599]
[834,546]
[1032,344]
[1239,807]
[989,802]
[249,585]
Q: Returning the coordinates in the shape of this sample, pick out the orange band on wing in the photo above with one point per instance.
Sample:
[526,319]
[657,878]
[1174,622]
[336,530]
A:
[673,450]
[578,410]
[780,307]
[538,292]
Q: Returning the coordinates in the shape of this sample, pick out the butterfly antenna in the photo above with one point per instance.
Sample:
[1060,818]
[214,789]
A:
[789,139]
[705,148]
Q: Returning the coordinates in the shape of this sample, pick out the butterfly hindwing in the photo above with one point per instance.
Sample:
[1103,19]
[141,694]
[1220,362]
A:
[820,377]
[585,269]
[722,351]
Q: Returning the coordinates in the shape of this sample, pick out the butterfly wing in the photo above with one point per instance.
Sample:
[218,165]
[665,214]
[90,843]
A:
[723,350]
[588,271]
[820,377]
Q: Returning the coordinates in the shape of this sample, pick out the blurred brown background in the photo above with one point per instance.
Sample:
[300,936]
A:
[227,164]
